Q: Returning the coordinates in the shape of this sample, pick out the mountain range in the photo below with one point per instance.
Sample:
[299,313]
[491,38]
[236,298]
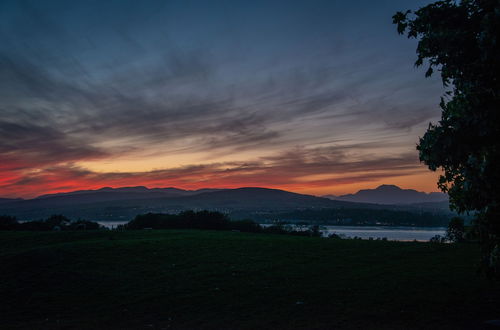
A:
[9,200]
[125,203]
[391,195]
[114,194]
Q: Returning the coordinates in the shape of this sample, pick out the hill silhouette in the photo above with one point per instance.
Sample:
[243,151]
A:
[260,204]
[391,195]
[9,200]
[125,203]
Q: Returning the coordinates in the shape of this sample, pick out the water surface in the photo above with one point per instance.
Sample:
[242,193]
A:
[391,233]
[421,234]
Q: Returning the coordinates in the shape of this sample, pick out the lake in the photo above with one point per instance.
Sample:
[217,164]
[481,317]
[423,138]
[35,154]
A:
[111,224]
[421,234]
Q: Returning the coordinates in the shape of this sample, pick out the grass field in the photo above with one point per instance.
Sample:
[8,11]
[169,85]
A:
[231,280]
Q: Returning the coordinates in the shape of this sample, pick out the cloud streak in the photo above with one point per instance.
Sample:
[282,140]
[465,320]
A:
[292,170]
[247,107]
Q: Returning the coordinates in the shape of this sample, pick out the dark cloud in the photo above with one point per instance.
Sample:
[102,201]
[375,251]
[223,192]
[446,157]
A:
[286,169]
[95,83]
[28,145]
[161,103]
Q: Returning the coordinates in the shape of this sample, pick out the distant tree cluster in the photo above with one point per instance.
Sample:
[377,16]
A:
[282,229]
[54,222]
[214,221]
[184,220]
[360,217]
[458,232]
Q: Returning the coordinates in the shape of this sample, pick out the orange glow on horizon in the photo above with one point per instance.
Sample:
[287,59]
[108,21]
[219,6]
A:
[64,182]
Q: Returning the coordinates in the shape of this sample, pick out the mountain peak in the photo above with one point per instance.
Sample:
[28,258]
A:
[392,194]
[387,187]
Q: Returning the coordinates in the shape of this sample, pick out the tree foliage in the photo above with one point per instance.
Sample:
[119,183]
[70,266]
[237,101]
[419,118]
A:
[456,230]
[213,221]
[54,222]
[461,40]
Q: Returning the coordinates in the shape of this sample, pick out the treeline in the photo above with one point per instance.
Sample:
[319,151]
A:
[365,217]
[207,220]
[458,232]
[54,222]
[213,221]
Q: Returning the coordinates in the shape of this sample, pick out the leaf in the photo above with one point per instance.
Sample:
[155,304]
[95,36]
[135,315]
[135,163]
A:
[429,72]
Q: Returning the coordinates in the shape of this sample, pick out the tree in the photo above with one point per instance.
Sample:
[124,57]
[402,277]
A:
[456,230]
[57,220]
[8,222]
[461,40]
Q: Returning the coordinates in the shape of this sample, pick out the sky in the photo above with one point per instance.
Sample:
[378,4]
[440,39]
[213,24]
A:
[316,97]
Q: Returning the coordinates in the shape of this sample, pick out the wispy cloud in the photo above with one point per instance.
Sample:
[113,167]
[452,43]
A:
[287,106]
[292,169]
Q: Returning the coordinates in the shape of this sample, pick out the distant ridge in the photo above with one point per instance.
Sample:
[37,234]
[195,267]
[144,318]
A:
[391,195]
[246,196]
[125,203]
[123,193]
[9,200]
[135,189]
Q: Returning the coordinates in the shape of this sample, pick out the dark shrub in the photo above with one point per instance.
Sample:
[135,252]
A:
[472,233]
[205,220]
[315,231]
[155,221]
[437,239]
[246,226]
[8,222]
[277,229]
[58,222]
[456,230]
[37,225]
[184,220]
[334,236]
[84,225]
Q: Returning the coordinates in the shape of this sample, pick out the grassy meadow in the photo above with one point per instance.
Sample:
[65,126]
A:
[187,279]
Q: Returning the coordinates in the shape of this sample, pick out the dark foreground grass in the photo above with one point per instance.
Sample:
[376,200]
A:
[230,280]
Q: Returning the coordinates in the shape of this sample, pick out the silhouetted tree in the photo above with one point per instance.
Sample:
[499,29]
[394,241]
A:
[246,226]
[456,230]
[8,222]
[461,39]
[184,220]
[84,225]
[437,239]
[57,220]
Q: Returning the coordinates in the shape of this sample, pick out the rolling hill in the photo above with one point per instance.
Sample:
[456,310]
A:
[391,195]
[259,204]
[125,203]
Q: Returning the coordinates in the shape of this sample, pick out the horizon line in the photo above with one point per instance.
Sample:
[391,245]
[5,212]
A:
[206,188]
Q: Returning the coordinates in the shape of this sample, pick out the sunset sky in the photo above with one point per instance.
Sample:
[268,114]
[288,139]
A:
[317,97]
